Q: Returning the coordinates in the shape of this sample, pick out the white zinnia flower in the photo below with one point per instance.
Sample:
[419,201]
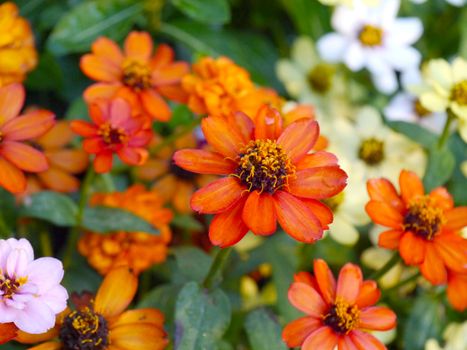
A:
[373,38]
[455,338]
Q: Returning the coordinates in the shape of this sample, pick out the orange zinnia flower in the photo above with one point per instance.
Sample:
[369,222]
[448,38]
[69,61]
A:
[457,290]
[17,53]
[15,155]
[135,74]
[424,228]
[138,250]
[271,177]
[113,131]
[103,323]
[338,313]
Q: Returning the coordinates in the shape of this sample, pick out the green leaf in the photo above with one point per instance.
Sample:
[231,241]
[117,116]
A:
[187,222]
[80,277]
[212,11]
[7,213]
[201,318]
[264,332]
[415,132]
[162,298]
[192,264]
[457,185]
[106,219]
[51,206]
[441,164]
[47,75]
[78,28]
[309,17]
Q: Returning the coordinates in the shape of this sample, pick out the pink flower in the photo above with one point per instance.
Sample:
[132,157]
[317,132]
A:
[30,291]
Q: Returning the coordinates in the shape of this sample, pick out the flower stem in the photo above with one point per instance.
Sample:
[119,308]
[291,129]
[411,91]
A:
[217,267]
[46,244]
[388,266]
[445,134]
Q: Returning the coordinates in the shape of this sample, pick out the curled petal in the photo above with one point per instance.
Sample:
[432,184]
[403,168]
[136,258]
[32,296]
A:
[268,123]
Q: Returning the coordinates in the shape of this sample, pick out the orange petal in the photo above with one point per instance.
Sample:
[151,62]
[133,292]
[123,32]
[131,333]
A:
[138,336]
[442,198]
[298,138]
[307,278]
[325,280]
[457,291]
[412,248]
[28,126]
[365,341]
[150,316]
[349,283]
[173,93]
[116,292]
[181,200]
[318,183]
[138,46]
[7,332]
[130,155]
[170,74]
[222,137]
[307,299]
[11,178]
[162,57]
[456,218]
[218,196]
[369,294]
[321,211]
[108,49]
[317,159]
[390,239]
[228,228]
[433,268]
[268,123]
[203,162]
[242,125]
[259,213]
[323,338]
[24,157]
[383,214]
[452,248]
[51,345]
[295,333]
[345,343]
[100,68]
[296,218]
[58,180]
[83,128]
[73,161]
[100,91]
[382,190]
[155,105]
[94,145]
[57,137]
[11,101]
[410,185]
[103,162]
[377,318]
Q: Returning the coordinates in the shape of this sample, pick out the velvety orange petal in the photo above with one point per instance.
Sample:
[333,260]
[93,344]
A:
[268,123]
[412,248]
[108,49]
[317,159]
[306,299]
[349,283]
[298,138]
[307,278]
[103,162]
[222,137]
[325,279]
[365,341]
[410,185]
[259,213]
[296,218]
[456,218]
[228,228]
[452,248]
[162,57]
[30,125]
[181,200]
[11,101]
[24,157]
[442,198]
[295,333]
[58,180]
[323,338]
[369,294]
[318,183]
[51,345]
[170,74]
[100,68]
[138,46]
[345,343]
[100,91]
[377,318]
[150,316]
[218,196]
[203,162]
[242,125]
[390,239]
[94,145]
[457,291]
[130,155]
[321,211]
[57,137]
[116,292]
[382,190]
[7,331]
[83,128]
[383,214]
[11,178]
[173,93]
[73,161]
[433,268]
[155,105]
[138,337]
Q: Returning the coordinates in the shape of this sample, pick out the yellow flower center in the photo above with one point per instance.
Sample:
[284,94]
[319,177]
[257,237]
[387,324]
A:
[342,316]
[264,166]
[424,218]
[320,77]
[419,109]
[84,330]
[9,286]
[136,75]
[459,93]
[334,202]
[371,36]
[371,151]
[111,135]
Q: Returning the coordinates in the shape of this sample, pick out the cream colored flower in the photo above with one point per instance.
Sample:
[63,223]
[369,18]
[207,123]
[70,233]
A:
[455,338]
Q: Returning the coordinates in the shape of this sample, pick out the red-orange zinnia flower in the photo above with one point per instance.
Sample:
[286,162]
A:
[15,155]
[338,313]
[136,74]
[457,290]
[271,177]
[113,131]
[424,228]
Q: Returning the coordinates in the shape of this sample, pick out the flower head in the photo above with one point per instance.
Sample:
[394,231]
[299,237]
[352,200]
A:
[30,290]
[138,250]
[15,155]
[113,130]
[17,53]
[270,177]
[338,314]
[136,74]
[423,227]
[102,322]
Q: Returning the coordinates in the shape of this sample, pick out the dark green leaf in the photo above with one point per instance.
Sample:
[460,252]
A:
[78,110]
[187,222]
[457,184]
[264,332]
[212,11]
[162,298]
[80,277]
[441,164]
[47,75]
[105,219]
[201,318]
[309,17]
[51,206]
[7,213]
[192,264]
[415,132]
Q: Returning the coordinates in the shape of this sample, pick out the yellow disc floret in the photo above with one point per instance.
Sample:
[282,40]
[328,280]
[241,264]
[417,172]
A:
[423,218]
[342,316]
[371,36]
[136,75]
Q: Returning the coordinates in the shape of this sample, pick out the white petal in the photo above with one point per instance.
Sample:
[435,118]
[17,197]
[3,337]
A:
[434,102]
[388,12]
[404,31]
[55,298]
[403,58]
[401,108]
[355,56]
[459,68]
[304,53]
[36,318]
[17,263]
[368,122]
[343,232]
[346,20]
[434,122]
[385,81]
[45,273]
[332,46]
[411,77]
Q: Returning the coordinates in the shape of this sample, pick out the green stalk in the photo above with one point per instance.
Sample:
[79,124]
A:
[402,283]
[217,267]
[46,244]
[445,134]
[395,259]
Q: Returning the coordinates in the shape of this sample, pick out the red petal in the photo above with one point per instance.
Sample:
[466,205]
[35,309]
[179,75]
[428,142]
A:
[222,137]
[377,318]
[412,249]
[325,280]
[30,125]
[24,157]
[259,213]
[295,333]
[131,156]
[11,178]
[203,162]
[7,332]
[349,283]
[298,138]
[369,294]
[365,341]
[323,339]
[318,183]
[11,101]
[383,214]
[307,299]
[228,228]
[218,196]
[317,159]
[155,105]
[433,268]
[94,145]
[268,123]
[410,185]
[382,190]
[242,125]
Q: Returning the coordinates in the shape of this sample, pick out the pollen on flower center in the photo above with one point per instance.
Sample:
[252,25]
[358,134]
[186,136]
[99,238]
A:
[370,35]
[136,75]
[320,77]
[84,330]
[264,166]
[371,151]
[423,218]
[419,109]
[112,135]
[342,317]
[459,93]
[9,286]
